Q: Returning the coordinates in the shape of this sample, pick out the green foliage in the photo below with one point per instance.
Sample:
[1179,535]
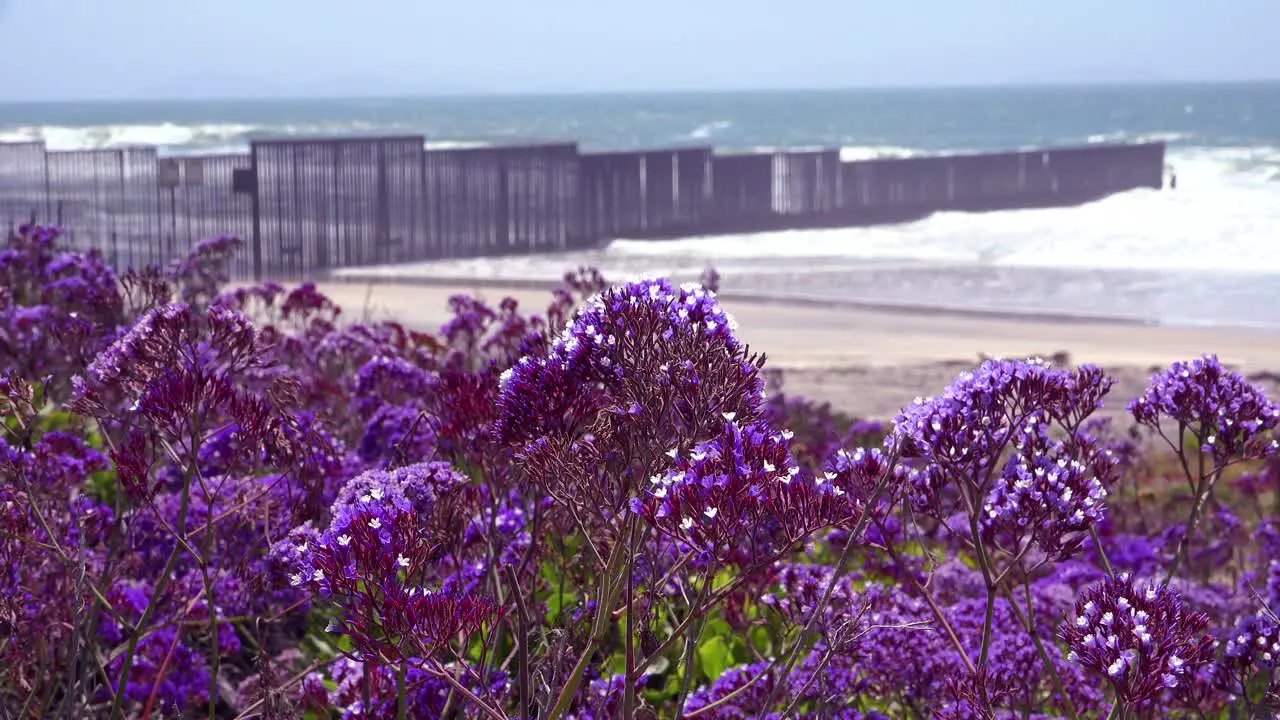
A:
[714,656]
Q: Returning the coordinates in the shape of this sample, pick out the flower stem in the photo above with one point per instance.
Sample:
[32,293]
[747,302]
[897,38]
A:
[691,640]
[1102,553]
[984,564]
[609,589]
[402,693]
[522,652]
[839,570]
[162,584]
[629,688]
[1204,488]
[1027,624]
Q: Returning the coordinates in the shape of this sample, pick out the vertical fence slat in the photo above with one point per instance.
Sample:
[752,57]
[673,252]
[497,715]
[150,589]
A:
[24,190]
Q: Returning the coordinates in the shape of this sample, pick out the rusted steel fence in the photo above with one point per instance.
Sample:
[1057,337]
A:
[306,207]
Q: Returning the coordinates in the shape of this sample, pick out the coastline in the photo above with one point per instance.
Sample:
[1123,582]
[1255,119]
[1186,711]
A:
[1020,290]
[797,300]
[870,362]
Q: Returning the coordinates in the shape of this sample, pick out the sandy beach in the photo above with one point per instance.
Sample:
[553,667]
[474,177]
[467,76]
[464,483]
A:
[870,362]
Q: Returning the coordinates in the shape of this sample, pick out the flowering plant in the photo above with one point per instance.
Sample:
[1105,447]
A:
[238,502]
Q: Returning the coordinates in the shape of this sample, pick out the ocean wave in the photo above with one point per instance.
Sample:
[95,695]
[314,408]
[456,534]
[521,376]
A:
[1110,137]
[207,138]
[454,144]
[707,130]
[1167,137]
[61,137]
[1171,137]
[851,153]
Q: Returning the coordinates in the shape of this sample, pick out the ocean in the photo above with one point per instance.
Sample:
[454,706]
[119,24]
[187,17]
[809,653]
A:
[1207,253]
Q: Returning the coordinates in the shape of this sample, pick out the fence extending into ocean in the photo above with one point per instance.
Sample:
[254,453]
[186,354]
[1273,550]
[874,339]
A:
[308,206]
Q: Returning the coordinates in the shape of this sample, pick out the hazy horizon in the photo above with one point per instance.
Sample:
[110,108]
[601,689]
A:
[328,49]
[656,92]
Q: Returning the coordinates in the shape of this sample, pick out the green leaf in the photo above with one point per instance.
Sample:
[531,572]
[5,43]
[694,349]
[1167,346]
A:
[556,602]
[715,657]
[760,640]
[717,627]
[345,644]
[616,664]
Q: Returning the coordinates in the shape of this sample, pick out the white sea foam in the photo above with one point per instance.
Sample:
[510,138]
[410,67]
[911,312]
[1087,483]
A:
[454,144]
[208,138]
[58,137]
[1121,136]
[707,130]
[851,153]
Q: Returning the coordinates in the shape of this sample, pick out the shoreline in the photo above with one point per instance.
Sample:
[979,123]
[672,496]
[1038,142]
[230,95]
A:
[870,362]
[784,300]
[1148,298]
[357,276]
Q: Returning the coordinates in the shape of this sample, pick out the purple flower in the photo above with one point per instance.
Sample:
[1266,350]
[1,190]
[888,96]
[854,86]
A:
[976,695]
[750,686]
[374,559]
[1139,637]
[643,366]
[724,492]
[390,380]
[631,346]
[414,488]
[978,413]
[395,433]
[1229,415]
[854,476]
[177,673]
[206,268]
[368,563]
[305,305]
[352,681]
[1003,405]
[1254,644]
[989,440]
[601,699]
[1048,499]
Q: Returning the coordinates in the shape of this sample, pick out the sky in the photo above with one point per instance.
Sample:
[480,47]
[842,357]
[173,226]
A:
[180,49]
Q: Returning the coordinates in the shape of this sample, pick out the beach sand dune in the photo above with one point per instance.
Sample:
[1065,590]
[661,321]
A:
[871,362]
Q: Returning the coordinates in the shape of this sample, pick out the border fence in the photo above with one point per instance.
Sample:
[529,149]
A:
[308,206]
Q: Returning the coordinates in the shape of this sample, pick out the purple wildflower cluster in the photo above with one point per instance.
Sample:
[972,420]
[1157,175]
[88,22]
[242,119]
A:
[1227,415]
[375,560]
[1047,500]
[738,497]
[237,502]
[1140,637]
[643,337]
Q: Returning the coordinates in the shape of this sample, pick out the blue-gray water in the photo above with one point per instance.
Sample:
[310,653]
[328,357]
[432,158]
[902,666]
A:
[1207,253]
[987,118]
